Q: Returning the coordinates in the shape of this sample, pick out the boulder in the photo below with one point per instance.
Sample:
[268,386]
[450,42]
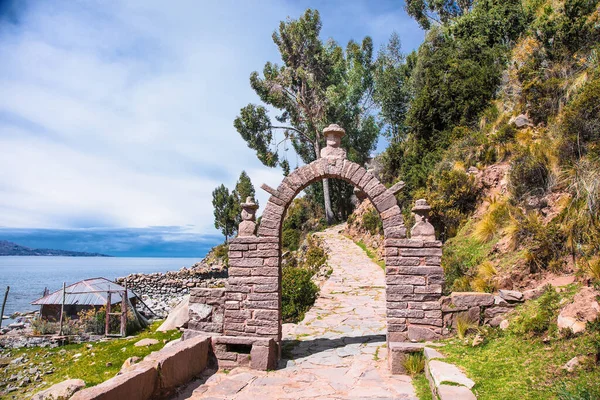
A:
[512,296]
[61,391]
[504,324]
[522,121]
[533,294]
[146,342]
[178,317]
[572,364]
[583,309]
[128,364]
[472,299]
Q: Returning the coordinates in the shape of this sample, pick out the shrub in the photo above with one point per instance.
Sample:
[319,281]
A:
[484,281]
[42,326]
[315,255]
[529,174]
[464,325]
[537,316]
[414,363]
[581,123]
[452,194]
[372,222]
[298,293]
[290,239]
[491,222]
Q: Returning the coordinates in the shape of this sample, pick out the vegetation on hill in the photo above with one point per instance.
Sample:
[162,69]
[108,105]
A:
[12,249]
[528,360]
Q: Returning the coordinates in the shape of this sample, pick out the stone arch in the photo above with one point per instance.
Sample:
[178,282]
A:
[382,198]
[247,312]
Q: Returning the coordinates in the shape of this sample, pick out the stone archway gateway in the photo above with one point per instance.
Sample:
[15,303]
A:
[244,317]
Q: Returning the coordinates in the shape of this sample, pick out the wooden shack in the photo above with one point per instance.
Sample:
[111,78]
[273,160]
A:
[80,296]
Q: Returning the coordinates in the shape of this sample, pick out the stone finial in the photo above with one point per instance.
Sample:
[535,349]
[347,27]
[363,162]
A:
[360,195]
[333,135]
[422,228]
[248,224]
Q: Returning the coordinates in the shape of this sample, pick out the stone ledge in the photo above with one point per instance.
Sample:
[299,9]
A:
[159,373]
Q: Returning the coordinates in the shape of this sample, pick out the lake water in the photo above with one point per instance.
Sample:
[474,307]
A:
[28,276]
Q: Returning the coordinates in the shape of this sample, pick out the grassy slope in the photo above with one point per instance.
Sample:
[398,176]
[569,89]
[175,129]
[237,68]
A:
[512,366]
[91,366]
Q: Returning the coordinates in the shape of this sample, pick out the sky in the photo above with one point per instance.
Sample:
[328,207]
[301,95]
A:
[116,117]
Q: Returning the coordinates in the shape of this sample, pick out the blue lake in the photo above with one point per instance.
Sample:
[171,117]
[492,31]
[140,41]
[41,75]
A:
[28,276]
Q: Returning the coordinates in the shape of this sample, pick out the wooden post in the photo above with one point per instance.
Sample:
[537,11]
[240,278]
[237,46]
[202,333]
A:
[124,311]
[62,308]
[107,324]
[3,304]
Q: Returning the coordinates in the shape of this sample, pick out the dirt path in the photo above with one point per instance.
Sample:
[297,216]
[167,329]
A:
[336,352]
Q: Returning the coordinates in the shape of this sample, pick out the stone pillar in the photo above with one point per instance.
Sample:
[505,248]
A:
[252,301]
[248,225]
[414,279]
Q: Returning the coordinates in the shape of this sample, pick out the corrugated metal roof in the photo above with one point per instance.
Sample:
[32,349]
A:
[84,294]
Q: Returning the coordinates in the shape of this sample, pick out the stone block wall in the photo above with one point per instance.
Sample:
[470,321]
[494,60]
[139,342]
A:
[252,298]
[414,279]
[206,310]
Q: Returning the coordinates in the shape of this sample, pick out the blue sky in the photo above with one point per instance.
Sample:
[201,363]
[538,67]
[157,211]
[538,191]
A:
[116,116]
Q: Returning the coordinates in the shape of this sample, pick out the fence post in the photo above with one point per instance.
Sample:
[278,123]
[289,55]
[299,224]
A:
[107,323]
[62,309]
[124,299]
[3,304]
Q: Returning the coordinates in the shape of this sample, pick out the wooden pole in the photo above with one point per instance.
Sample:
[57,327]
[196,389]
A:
[124,299]
[3,304]
[107,323]
[62,308]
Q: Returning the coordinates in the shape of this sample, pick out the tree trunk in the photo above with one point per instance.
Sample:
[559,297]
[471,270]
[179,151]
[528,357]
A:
[328,210]
[326,197]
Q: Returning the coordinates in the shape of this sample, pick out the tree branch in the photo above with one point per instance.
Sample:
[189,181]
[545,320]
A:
[291,128]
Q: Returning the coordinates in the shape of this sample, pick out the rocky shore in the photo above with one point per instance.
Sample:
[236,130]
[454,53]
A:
[161,292]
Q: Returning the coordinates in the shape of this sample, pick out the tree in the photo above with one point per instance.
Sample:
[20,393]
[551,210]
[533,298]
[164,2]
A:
[392,88]
[436,11]
[243,190]
[224,211]
[317,84]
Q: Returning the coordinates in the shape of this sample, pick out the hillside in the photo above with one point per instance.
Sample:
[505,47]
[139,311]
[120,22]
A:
[12,249]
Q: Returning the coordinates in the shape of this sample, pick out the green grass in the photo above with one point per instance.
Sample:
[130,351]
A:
[91,366]
[525,362]
[422,388]
[371,254]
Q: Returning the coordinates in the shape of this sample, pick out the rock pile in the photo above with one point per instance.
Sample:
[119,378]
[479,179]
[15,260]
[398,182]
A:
[163,291]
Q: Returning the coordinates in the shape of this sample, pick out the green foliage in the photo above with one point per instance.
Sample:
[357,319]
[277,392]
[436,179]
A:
[529,174]
[42,326]
[452,194]
[371,221]
[581,123]
[224,211]
[317,84]
[298,293]
[581,391]
[227,208]
[536,317]
[414,363]
[290,239]
[315,256]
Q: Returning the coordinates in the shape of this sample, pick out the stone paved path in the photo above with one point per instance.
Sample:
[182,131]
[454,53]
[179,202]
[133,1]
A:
[337,351]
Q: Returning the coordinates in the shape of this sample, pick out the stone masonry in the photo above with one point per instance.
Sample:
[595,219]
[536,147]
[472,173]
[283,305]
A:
[250,304]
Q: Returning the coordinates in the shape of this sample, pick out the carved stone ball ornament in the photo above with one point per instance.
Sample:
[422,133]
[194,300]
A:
[248,225]
[333,136]
[422,228]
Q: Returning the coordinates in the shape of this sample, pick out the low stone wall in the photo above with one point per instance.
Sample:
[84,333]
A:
[159,374]
[480,308]
[174,282]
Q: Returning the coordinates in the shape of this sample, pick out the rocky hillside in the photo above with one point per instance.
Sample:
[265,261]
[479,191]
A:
[501,133]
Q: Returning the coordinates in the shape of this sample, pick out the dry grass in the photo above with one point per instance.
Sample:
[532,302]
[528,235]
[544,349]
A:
[464,325]
[414,363]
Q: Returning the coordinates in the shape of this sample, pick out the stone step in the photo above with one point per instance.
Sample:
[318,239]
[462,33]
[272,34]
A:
[447,381]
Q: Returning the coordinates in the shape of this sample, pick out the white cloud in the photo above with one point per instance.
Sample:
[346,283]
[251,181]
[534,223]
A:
[120,114]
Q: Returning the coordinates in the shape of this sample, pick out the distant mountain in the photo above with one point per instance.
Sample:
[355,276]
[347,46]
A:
[12,249]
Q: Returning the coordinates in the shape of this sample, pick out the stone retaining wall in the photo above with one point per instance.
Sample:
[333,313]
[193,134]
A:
[160,373]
